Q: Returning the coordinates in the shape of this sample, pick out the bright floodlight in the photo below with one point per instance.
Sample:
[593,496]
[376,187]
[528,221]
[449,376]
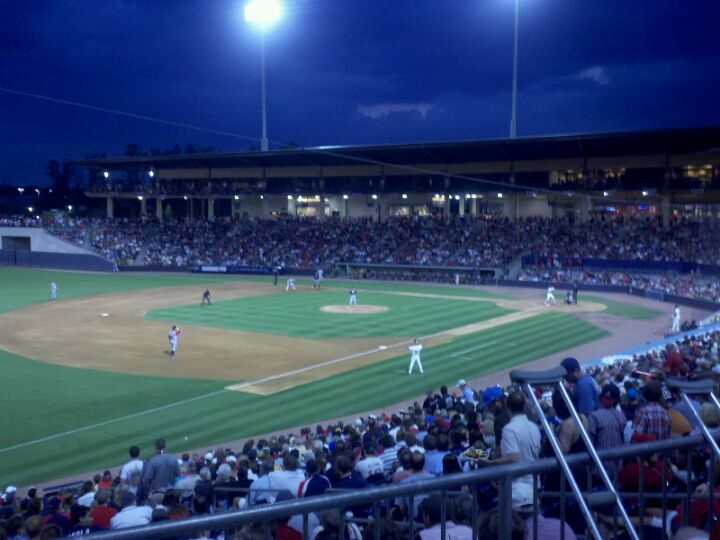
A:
[262,11]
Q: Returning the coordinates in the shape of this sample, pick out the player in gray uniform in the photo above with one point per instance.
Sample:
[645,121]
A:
[415,349]
[353,298]
[53,290]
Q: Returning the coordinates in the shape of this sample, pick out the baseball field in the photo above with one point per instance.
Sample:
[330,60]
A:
[89,374]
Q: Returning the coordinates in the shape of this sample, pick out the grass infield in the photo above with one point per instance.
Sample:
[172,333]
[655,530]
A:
[59,420]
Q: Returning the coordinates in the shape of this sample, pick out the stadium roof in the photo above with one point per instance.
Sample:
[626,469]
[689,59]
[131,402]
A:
[703,142]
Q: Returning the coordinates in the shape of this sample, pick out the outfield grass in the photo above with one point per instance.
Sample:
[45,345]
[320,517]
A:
[298,314]
[59,420]
[624,309]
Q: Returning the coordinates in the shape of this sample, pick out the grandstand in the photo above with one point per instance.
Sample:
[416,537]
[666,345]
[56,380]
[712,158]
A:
[278,411]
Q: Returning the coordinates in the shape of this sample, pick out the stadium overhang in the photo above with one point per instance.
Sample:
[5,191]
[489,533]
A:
[641,149]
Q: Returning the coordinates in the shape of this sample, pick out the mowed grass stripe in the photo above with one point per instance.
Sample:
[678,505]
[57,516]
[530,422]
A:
[298,314]
[235,415]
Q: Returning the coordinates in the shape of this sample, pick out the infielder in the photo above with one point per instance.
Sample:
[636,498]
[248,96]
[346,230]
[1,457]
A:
[676,319]
[53,290]
[353,298]
[415,349]
[173,336]
[316,280]
[290,284]
[550,296]
[206,298]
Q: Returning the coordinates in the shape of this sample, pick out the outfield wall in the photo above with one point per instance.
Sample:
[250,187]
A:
[59,261]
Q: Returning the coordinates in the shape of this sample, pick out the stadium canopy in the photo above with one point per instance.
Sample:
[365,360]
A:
[654,148]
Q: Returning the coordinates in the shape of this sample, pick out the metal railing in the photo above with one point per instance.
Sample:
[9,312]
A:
[501,475]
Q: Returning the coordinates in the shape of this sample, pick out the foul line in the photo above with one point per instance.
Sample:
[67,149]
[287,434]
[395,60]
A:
[234,388]
[108,422]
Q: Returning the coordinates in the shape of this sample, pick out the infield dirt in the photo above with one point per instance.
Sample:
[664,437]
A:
[72,332]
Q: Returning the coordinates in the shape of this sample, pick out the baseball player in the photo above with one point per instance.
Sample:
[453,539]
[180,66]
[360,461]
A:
[676,319]
[206,298]
[550,296]
[415,349]
[290,284]
[353,298]
[173,336]
[575,288]
[316,280]
[53,290]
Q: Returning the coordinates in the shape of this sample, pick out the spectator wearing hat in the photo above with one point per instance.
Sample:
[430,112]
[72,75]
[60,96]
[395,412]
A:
[131,514]
[607,424]
[587,393]
[467,393]
[432,515]
[493,402]
[652,421]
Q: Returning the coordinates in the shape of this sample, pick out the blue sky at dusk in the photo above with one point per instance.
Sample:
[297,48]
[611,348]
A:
[343,72]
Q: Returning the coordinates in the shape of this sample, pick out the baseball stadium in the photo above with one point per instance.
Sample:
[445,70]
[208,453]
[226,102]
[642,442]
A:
[413,327]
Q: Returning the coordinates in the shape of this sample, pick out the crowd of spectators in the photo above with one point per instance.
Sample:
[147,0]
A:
[628,401]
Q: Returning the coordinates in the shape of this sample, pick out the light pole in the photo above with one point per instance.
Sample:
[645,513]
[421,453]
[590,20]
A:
[263,12]
[513,117]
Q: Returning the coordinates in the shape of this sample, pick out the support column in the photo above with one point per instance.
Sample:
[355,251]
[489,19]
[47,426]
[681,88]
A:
[191,202]
[291,209]
[158,208]
[666,210]
[446,209]
[143,207]
[110,202]
[583,208]
[345,208]
[265,207]
[473,207]
[211,208]
[461,206]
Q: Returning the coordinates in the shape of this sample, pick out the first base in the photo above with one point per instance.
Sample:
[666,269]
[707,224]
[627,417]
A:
[104,314]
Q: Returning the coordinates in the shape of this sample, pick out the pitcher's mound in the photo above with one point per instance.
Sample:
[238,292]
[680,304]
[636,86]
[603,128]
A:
[365,308]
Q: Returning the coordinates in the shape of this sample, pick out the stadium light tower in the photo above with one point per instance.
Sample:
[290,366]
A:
[263,13]
[513,115]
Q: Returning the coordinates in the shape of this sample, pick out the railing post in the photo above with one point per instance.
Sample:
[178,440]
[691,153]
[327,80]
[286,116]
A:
[443,515]
[505,508]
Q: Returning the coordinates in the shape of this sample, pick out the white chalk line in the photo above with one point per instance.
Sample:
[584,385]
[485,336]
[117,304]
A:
[471,349]
[112,421]
[227,388]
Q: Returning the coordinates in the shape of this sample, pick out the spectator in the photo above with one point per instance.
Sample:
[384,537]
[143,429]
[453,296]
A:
[102,513]
[131,515]
[131,472]
[432,515]
[652,421]
[160,472]
[586,389]
[607,424]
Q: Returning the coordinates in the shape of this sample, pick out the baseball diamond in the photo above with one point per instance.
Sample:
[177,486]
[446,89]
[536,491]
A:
[256,350]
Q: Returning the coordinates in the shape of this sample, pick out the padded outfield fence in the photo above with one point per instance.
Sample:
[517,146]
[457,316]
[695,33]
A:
[380,497]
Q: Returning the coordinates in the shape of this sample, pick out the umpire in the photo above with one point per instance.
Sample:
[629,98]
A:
[575,291]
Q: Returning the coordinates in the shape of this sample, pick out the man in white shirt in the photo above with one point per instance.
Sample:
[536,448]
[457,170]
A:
[550,297]
[467,392]
[289,478]
[132,471]
[370,465]
[676,319]
[520,444]
[131,515]
[415,349]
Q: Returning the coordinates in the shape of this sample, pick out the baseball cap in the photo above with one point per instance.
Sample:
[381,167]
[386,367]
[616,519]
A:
[632,393]
[570,365]
[312,466]
[461,382]
[490,395]
[54,503]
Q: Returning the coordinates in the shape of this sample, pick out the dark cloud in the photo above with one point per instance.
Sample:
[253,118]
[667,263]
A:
[346,72]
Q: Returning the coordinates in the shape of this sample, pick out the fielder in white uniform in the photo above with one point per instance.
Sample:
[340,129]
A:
[550,296]
[290,285]
[53,290]
[415,349]
[676,319]
[173,336]
[353,298]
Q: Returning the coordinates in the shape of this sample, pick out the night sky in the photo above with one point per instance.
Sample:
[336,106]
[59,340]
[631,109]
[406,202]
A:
[344,72]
